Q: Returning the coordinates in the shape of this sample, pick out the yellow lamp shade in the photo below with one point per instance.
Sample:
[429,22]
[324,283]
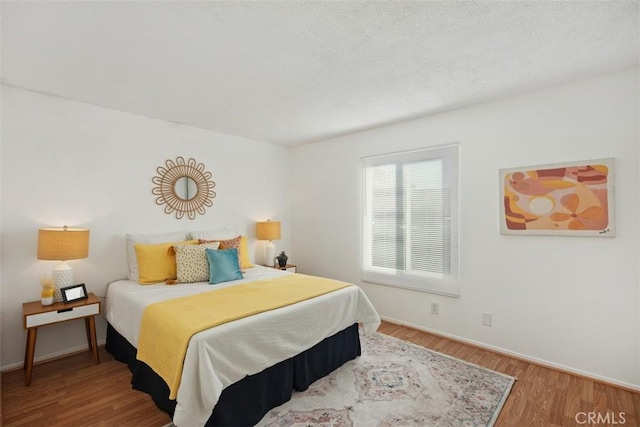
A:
[62,244]
[268,230]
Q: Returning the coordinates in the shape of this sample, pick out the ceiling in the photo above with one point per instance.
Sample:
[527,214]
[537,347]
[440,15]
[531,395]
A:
[294,72]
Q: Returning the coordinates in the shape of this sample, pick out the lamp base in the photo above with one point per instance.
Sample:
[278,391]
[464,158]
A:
[62,277]
[269,254]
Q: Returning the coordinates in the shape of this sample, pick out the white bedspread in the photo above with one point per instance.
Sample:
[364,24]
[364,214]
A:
[221,356]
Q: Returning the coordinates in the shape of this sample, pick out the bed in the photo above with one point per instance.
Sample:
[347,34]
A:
[236,372]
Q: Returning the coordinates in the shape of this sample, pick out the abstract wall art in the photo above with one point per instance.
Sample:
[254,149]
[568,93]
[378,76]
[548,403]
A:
[567,199]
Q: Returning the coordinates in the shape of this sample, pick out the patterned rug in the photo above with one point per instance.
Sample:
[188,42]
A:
[395,383]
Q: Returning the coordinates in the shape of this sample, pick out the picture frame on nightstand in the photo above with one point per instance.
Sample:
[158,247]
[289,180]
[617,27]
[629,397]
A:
[74,293]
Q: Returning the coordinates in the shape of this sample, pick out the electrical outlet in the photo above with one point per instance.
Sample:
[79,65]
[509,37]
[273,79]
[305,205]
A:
[435,308]
[486,319]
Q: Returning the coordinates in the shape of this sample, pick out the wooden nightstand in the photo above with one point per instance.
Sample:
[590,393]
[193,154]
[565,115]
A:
[34,314]
[289,267]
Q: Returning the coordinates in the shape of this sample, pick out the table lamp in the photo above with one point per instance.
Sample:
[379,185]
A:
[62,244]
[268,230]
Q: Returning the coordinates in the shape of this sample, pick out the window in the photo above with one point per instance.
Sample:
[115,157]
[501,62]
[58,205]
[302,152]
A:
[410,220]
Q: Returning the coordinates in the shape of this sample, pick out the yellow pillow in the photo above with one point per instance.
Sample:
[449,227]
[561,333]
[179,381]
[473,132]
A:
[245,261]
[157,262]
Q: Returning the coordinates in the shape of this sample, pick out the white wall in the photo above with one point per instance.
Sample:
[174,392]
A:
[568,301]
[70,163]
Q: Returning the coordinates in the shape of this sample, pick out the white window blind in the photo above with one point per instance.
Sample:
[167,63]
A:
[410,220]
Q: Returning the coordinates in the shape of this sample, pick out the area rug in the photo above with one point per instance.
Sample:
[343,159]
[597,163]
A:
[394,384]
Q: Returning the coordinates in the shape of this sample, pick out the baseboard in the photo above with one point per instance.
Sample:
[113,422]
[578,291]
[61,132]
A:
[51,356]
[533,360]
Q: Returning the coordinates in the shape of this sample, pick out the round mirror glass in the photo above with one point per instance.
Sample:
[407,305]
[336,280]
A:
[185,188]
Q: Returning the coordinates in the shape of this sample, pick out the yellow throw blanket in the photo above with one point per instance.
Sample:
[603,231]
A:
[168,326]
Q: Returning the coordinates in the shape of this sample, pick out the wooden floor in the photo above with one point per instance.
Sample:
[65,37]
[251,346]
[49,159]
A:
[541,396]
[74,392]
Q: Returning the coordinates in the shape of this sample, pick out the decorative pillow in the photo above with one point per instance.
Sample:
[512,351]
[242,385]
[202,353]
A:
[223,265]
[133,239]
[231,244]
[245,261]
[191,262]
[240,243]
[157,262]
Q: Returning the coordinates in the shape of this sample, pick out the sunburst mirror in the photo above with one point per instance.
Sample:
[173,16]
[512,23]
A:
[184,187]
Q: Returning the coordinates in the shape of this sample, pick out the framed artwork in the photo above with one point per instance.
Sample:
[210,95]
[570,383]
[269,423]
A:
[74,293]
[566,199]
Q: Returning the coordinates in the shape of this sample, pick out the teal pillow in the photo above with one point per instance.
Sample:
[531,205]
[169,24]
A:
[223,265]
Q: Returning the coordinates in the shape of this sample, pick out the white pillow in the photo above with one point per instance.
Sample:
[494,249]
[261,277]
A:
[133,239]
[222,233]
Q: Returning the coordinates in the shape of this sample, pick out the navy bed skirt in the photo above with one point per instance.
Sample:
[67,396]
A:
[247,401]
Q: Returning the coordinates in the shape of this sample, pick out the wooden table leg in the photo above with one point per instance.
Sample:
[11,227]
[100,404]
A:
[87,328]
[32,333]
[93,340]
[26,353]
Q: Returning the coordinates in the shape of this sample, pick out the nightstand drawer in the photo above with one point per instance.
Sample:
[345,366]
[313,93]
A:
[62,315]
